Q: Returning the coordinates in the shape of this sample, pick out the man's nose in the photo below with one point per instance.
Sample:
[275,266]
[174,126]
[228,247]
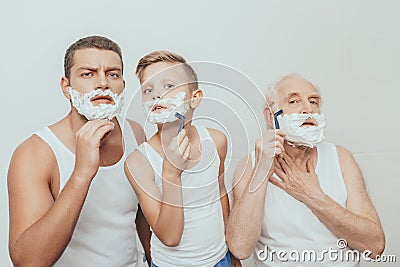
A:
[307,108]
[103,82]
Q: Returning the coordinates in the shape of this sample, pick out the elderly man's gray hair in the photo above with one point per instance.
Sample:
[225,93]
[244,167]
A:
[271,92]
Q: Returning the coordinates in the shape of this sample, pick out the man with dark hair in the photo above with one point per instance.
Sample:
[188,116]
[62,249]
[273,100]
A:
[69,200]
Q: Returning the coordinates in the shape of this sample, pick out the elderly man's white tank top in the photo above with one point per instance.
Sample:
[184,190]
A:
[203,239]
[105,232]
[290,226]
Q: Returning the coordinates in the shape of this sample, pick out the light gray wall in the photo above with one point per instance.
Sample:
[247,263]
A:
[349,48]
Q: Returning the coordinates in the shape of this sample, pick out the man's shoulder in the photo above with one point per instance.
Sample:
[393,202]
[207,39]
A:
[34,157]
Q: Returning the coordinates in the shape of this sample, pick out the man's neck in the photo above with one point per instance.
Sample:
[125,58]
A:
[297,152]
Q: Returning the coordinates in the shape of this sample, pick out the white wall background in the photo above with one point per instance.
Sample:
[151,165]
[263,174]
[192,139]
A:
[349,48]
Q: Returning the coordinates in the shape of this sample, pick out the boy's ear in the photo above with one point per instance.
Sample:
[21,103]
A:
[64,84]
[197,95]
[269,117]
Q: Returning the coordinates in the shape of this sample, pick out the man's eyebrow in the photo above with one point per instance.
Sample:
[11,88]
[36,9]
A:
[315,96]
[87,68]
[114,68]
[291,95]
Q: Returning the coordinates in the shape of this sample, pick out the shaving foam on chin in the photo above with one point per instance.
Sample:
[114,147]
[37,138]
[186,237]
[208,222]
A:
[101,111]
[309,136]
[173,105]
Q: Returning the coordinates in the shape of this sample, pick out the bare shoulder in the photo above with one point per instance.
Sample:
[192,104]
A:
[220,141]
[138,166]
[347,162]
[33,156]
[138,131]
[218,136]
[30,173]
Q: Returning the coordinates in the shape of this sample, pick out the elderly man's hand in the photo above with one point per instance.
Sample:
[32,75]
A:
[298,180]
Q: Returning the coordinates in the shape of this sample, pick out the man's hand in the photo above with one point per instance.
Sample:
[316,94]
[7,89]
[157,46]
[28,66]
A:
[300,181]
[267,147]
[177,155]
[88,140]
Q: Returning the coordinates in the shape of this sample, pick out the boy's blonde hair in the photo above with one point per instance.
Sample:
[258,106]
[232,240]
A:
[167,56]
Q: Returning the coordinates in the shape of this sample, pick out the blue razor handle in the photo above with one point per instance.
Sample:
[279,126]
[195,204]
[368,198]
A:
[182,118]
[276,114]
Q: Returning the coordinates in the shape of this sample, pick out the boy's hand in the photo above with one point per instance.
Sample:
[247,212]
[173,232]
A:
[88,140]
[177,155]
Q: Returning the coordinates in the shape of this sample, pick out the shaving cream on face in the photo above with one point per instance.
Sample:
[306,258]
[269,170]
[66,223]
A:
[173,105]
[101,111]
[309,136]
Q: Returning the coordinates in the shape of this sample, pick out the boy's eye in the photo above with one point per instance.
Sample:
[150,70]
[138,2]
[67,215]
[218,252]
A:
[169,86]
[147,91]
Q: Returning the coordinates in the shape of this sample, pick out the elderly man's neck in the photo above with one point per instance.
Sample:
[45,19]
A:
[297,152]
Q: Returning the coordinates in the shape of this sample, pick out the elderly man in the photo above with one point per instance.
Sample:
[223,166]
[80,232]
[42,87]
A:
[296,193]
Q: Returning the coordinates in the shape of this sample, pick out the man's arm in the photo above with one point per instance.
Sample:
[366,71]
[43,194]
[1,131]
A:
[358,223]
[41,227]
[142,226]
[144,233]
[249,189]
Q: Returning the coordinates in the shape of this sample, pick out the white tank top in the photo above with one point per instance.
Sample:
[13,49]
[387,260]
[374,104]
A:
[289,225]
[203,239]
[105,234]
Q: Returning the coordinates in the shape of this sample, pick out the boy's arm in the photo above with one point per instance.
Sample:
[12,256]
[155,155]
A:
[221,142]
[163,212]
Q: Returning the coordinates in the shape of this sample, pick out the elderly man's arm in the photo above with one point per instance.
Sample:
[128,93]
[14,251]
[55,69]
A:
[245,220]
[249,189]
[358,223]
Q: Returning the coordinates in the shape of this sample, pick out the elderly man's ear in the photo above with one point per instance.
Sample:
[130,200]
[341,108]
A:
[269,117]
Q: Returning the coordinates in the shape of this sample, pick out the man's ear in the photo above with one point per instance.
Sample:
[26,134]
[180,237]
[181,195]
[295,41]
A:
[269,117]
[197,95]
[64,84]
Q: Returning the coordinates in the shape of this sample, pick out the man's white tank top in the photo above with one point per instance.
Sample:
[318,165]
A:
[105,234]
[203,239]
[290,226]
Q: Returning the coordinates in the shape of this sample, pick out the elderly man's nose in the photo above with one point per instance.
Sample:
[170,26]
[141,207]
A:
[306,108]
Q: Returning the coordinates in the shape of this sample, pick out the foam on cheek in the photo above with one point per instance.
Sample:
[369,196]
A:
[175,104]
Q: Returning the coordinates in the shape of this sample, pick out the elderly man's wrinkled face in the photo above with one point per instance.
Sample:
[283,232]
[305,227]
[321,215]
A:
[296,95]
[299,116]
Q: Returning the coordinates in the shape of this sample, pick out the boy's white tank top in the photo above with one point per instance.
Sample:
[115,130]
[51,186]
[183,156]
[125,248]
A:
[203,239]
[290,226]
[105,234]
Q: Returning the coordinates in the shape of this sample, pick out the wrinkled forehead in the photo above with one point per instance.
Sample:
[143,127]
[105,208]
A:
[296,86]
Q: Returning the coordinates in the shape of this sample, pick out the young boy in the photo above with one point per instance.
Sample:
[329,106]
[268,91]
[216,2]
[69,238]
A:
[177,175]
